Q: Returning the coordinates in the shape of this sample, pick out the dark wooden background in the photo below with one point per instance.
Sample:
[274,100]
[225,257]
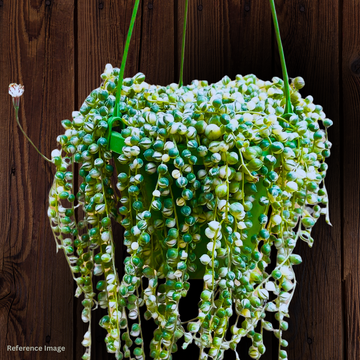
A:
[58,49]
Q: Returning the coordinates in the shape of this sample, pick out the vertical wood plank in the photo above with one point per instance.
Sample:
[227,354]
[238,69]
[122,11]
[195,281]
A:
[309,31]
[36,297]
[101,34]
[157,54]
[225,38]
[351,171]
[157,57]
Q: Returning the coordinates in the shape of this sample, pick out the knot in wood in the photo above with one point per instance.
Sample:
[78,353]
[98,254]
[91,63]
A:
[355,67]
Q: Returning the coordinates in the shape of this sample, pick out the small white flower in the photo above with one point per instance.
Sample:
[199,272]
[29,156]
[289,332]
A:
[16,90]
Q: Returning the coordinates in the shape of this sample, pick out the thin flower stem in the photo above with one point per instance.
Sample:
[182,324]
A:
[22,130]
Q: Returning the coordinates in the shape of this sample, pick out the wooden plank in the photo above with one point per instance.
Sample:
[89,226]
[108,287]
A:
[101,34]
[156,61]
[102,29]
[310,36]
[36,288]
[351,171]
[225,38]
[37,49]
[157,54]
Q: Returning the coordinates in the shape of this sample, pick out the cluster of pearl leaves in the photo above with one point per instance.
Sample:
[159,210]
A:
[237,130]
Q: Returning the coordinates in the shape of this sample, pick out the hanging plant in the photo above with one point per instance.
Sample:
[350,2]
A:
[211,180]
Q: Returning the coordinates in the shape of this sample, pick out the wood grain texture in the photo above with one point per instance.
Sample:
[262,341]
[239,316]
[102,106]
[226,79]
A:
[310,33]
[351,171]
[58,49]
[101,34]
[157,53]
[35,295]
[225,38]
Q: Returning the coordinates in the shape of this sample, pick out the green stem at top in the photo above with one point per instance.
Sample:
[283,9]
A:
[183,45]
[288,109]
[123,62]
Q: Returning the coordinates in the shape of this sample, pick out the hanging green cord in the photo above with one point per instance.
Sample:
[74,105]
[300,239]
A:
[288,109]
[183,45]
[123,62]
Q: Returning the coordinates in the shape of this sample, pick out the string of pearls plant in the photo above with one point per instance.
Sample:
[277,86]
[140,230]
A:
[212,181]
[218,161]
